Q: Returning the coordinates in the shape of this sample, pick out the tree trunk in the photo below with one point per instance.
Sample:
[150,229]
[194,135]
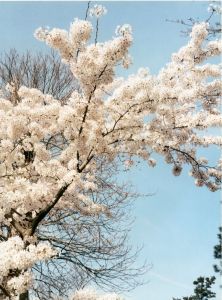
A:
[24,296]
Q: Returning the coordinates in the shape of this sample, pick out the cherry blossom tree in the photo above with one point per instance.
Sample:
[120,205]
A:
[73,233]
[108,119]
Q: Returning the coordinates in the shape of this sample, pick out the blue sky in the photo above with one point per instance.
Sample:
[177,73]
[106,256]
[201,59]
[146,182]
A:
[178,224]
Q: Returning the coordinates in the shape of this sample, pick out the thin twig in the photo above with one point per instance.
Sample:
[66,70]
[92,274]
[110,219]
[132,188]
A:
[97,30]
[87,10]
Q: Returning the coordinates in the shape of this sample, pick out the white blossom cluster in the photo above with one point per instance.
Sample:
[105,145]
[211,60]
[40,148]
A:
[93,64]
[90,294]
[67,43]
[30,174]
[50,151]
[97,11]
[14,257]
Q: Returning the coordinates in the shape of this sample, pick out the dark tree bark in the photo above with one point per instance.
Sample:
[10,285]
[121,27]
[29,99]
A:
[24,296]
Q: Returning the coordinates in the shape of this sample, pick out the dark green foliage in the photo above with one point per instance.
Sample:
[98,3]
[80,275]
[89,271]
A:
[202,290]
[218,253]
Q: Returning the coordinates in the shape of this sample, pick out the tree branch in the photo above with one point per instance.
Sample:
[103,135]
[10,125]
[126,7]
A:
[46,210]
